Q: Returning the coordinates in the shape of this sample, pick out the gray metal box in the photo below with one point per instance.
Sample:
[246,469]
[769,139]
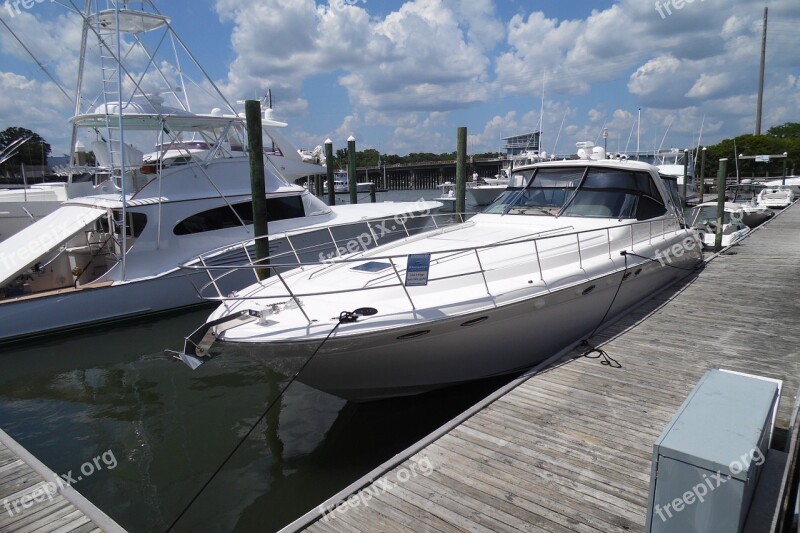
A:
[707,460]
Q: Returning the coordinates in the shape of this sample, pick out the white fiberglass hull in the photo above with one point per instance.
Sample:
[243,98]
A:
[730,236]
[485,194]
[477,336]
[34,315]
[509,339]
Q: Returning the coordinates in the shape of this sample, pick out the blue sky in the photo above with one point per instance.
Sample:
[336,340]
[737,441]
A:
[403,75]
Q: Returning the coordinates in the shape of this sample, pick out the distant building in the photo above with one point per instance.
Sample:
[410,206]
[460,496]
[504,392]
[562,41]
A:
[517,144]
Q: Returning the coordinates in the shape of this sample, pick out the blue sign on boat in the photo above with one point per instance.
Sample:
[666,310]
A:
[417,269]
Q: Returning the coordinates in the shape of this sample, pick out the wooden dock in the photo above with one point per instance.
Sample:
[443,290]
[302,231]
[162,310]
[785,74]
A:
[28,504]
[569,447]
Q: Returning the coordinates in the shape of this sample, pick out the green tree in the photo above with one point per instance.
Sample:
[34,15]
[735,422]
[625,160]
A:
[790,129]
[341,158]
[33,152]
[367,158]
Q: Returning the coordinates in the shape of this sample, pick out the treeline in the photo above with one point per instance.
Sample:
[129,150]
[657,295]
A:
[776,141]
[372,158]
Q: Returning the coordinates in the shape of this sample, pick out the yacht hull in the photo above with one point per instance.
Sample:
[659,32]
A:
[485,194]
[511,338]
[95,304]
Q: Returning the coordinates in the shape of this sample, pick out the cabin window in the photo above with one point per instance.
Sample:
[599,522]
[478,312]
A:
[223,217]
[546,193]
[582,192]
[614,193]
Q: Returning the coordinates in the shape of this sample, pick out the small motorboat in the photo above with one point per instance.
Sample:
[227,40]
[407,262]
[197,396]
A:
[703,221]
[448,196]
[779,196]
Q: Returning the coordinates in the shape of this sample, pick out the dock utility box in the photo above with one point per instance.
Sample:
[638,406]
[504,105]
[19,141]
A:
[707,461]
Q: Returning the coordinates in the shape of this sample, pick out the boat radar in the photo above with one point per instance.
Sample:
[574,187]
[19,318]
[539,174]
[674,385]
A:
[587,150]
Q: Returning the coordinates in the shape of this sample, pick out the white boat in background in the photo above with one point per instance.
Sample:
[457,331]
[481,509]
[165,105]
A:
[793,182]
[778,196]
[540,269]
[448,196]
[341,184]
[111,256]
[703,221]
[485,194]
[19,208]
[753,215]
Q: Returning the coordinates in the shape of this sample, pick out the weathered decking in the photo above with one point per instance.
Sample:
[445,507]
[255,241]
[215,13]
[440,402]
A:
[569,449]
[24,502]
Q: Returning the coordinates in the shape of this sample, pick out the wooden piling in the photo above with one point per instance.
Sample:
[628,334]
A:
[685,176]
[721,176]
[372,197]
[329,168]
[255,147]
[461,170]
[701,189]
[351,169]
[783,179]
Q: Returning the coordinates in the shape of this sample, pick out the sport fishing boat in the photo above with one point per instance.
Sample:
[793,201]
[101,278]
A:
[567,248]
[116,254]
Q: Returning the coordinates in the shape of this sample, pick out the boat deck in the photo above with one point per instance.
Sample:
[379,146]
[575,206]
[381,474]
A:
[26,506]
[569,448]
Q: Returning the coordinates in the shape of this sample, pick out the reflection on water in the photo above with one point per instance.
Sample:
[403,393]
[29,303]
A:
[71,398]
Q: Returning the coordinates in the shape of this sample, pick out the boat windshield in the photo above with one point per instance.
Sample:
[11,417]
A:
[708,214]
[581,192]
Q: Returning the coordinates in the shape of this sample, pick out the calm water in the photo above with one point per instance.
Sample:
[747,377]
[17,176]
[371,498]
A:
[72,398]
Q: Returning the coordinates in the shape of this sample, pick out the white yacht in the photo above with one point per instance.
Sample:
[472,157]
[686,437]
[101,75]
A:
[703,221]
[21,207]
[341,184]
[116,254]
[779,196]
[568,247]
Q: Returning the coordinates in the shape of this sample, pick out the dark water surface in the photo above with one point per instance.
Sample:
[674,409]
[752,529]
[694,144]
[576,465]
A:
[73,398]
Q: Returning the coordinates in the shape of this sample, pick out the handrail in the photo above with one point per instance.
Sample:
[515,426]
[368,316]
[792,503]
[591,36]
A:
[536,238]
[350,259]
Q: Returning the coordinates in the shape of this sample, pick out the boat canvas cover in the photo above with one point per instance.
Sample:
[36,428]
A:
[27,246]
